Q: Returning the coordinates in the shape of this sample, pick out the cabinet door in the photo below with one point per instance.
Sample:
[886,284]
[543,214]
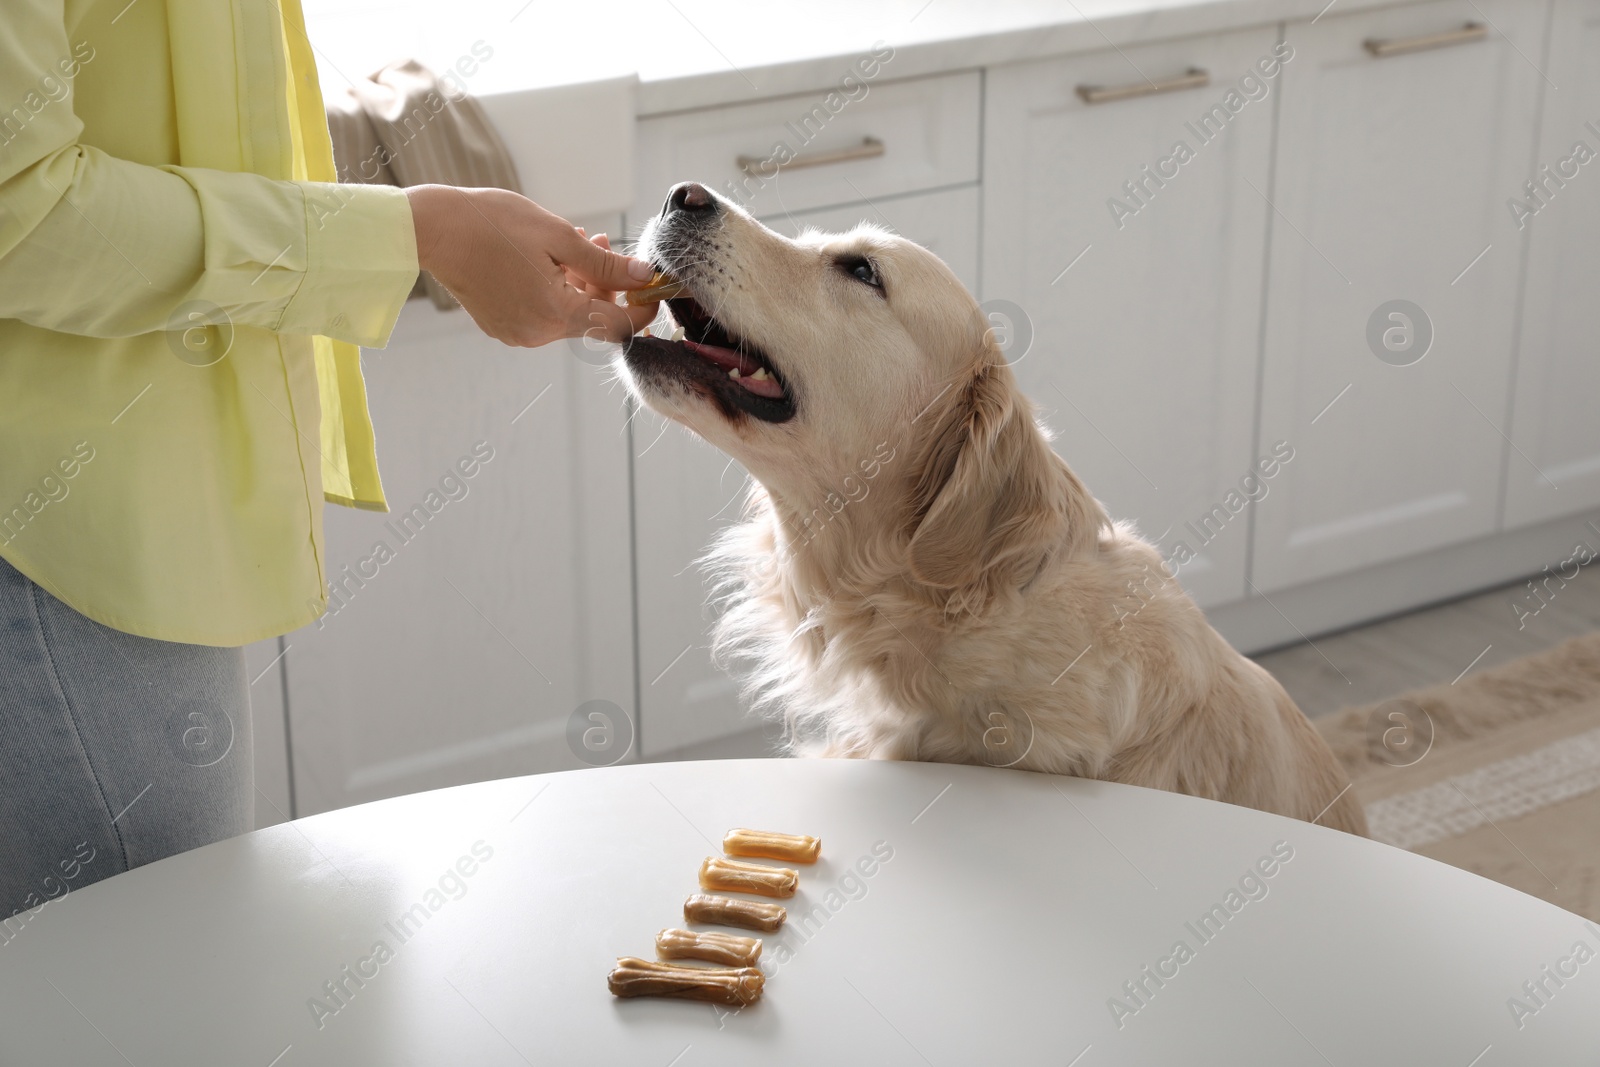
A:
[1555,468]
[1129,234]
[685,491]
[501,601]
[1392,179]
[263,662]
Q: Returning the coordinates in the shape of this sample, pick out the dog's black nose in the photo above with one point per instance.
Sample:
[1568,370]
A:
[692,197]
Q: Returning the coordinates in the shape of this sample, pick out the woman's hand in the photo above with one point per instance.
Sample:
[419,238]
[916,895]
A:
[526,277]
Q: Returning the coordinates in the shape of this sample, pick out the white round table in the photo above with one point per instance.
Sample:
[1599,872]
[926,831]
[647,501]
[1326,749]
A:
[959,915]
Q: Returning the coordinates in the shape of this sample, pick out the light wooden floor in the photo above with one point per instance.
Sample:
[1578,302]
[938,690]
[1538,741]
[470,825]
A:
[1379,660]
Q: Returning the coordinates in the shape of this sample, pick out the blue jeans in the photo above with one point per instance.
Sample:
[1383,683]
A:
[115,750]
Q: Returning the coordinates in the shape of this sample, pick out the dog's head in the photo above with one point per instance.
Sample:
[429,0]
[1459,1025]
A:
[842,369]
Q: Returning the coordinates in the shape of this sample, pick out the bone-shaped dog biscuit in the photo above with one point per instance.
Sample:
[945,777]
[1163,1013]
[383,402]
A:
[731,876]
[730,950]
[662,287]
[633,977]
[725,911]
[762,844]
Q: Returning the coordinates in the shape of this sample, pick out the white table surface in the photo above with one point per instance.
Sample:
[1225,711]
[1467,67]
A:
[1014,906]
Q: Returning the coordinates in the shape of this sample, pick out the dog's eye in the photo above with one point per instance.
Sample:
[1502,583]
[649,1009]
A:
[862,270]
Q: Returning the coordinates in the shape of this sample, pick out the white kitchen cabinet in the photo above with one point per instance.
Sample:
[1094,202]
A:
[264,670]
[885,139]
[1185,311]
[1145,309]
[1555,467]
[1392,179]
[685,491]
[503,605]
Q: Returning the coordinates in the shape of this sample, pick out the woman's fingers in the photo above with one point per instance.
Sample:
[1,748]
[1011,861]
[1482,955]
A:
[605,321]
[526,277]
[603,242]
[637,317]
[597,264]
[602,319]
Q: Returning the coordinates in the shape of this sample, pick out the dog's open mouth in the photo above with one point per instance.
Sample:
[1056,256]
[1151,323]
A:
[731,371]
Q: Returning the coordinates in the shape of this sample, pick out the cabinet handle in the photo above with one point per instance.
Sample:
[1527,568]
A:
[1193,78]
[1383,47]
[757,167]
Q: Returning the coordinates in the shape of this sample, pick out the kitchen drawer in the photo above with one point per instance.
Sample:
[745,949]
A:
[927,129]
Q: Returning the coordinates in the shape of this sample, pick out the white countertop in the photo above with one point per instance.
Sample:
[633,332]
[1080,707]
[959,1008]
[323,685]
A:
[700,53]
[959,915]
[566,82]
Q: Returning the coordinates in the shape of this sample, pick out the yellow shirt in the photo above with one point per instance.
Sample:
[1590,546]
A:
[182,288]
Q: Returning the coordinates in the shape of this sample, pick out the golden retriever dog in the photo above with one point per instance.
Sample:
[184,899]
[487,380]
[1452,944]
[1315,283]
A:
[918,575]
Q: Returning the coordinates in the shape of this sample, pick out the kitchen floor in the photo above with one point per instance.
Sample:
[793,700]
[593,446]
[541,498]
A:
[1438,644]
[1376,661]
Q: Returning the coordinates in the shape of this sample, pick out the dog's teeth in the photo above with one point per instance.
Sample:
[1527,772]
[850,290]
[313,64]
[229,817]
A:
[677,335]
[734,373]
[760,375]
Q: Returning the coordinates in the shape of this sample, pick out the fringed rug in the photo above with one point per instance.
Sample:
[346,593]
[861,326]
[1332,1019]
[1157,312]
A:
[1498,774]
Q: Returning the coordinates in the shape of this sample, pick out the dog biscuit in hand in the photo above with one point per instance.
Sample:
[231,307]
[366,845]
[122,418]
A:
[731,876]
[725,911]
[730,950]
[633,977]
[762,844]
[662,287]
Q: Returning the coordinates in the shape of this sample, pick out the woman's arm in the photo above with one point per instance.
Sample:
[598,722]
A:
[104,247]
[95,245]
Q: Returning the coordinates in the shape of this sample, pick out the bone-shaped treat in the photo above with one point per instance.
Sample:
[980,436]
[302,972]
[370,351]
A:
[633,977]
[730,950]
[726,911]
[662,287]
[731,876]
[762,844]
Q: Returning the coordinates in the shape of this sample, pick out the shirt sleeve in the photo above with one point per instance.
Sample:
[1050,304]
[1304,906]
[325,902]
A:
[103,247]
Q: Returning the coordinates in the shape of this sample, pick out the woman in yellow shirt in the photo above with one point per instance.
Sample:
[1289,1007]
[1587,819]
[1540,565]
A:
[182,290]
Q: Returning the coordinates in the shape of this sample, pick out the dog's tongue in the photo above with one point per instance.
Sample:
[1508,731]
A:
[747,368]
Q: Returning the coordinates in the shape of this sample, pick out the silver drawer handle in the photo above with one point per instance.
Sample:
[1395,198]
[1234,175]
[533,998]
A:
[1399,46]
[1193,78]
[758,167]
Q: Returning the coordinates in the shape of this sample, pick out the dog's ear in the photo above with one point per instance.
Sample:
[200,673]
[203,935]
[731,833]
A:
[991,500]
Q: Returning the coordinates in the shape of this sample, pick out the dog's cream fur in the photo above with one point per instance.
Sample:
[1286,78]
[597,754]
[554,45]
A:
[919,576]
